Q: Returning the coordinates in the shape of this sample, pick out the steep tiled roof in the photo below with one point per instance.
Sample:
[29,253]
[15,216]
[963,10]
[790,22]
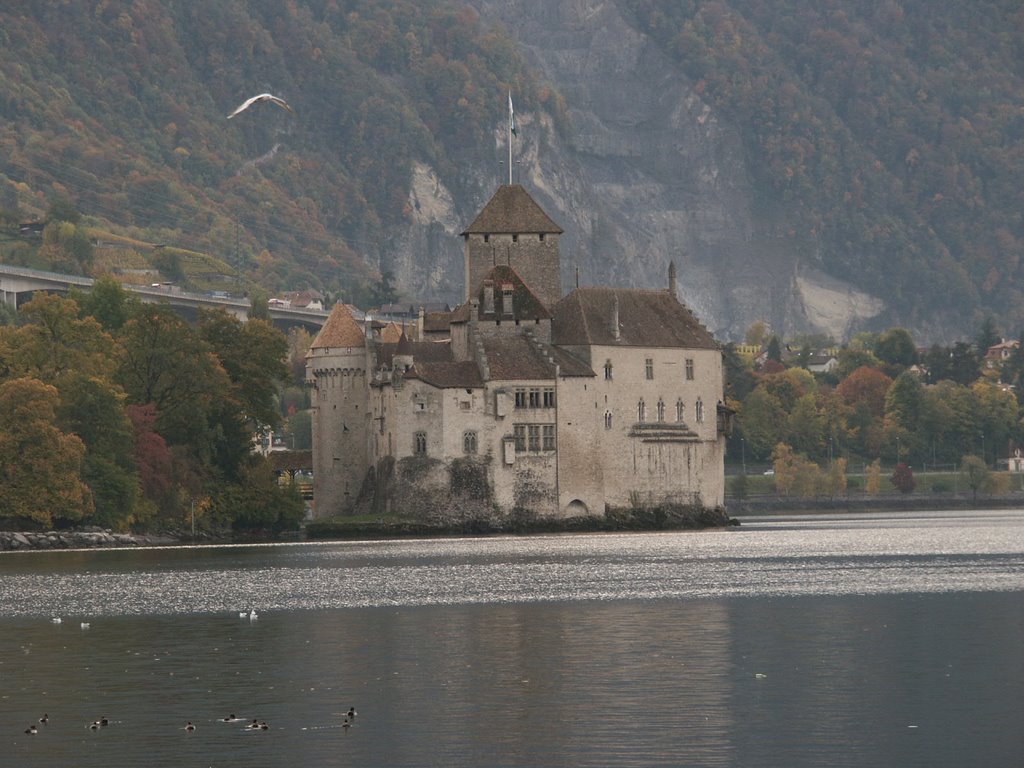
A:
[519,358]
[421,351]
[340,330]
[464,375]
[525,304]
[436,322]
[646,319]
[391,333]
[512,211]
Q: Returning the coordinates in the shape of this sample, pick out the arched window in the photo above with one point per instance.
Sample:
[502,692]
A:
[661,409]
[698,411]
[641,411]
[680,410]
[469,442]
[420,444]
[607,419]
[608,370]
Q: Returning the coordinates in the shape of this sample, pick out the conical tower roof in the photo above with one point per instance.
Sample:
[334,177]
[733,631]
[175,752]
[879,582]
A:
[340,330]
[512,212]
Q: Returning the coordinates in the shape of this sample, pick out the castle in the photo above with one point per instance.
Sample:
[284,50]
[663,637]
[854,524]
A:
[521,398]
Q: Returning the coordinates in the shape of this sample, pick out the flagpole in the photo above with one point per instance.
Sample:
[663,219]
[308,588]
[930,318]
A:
[510,118]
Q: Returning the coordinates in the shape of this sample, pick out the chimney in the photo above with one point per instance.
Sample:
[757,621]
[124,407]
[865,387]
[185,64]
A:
[672,279]
[420,323]
[615,318]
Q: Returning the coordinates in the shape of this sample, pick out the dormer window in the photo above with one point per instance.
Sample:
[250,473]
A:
[506,299]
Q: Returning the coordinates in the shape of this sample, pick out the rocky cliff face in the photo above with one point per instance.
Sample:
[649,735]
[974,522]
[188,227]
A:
[646,174]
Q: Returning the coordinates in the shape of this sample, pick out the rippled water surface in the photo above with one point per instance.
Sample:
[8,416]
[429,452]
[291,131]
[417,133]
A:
[845,640]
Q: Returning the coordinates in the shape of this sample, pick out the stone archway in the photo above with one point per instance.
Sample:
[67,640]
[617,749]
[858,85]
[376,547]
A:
[576,508]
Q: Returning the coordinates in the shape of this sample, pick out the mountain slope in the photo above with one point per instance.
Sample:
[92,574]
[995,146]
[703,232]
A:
[833,167]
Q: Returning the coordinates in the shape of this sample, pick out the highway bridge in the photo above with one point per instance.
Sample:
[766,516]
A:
[18,284]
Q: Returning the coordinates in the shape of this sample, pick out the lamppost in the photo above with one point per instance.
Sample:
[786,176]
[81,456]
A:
[743,454]
[897,449]
[830,450]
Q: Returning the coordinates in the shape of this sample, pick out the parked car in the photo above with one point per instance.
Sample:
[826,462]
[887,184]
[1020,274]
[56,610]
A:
[769,472]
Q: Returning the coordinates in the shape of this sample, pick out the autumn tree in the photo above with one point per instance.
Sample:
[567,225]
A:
[873,478]
[40,466]
[903,478]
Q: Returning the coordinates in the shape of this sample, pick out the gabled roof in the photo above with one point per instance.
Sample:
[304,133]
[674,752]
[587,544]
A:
[525,303]
[340,330]
[391,333]
[512,211]
[646,319]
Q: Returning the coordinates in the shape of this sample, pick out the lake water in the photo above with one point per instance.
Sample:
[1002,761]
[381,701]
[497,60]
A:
[867,640]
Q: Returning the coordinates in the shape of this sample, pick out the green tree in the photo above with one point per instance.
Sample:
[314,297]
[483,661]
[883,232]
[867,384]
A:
[40,466]
[93,409]
[896,348]
[975,473]
[167,363]
[108,302]
[761,420]
[988,336]
[253,354]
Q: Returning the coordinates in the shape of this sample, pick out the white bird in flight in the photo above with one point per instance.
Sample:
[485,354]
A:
[261,97]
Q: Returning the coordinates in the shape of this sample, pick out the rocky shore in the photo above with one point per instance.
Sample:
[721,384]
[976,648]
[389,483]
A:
[86,538]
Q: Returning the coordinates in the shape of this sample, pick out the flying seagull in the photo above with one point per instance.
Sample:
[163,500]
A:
[262,97]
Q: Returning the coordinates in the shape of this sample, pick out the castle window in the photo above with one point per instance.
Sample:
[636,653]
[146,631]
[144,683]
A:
[698,411]
[535,398]
[533,433]
[542,237]
[520,398]
[607,419]
[469,442]
[488,297]
[420,444]
[641,411]
[661,410]
[689,369]
[549,397]
[519,432]
[649,366]
[506,299]
[607,370]
[515,238]
[549,437]
[487,238]
[680,410]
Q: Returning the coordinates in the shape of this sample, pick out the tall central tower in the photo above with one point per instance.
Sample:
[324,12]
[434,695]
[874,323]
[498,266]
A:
[512,230]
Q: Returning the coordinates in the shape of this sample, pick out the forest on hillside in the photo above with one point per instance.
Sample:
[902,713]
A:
[889,136]
[120,106]
[885,139]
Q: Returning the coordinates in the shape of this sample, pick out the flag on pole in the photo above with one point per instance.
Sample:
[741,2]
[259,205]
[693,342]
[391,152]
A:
[511,116]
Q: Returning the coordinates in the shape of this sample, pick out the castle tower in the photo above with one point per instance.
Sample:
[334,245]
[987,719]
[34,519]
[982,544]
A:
[512,230]
[336,369]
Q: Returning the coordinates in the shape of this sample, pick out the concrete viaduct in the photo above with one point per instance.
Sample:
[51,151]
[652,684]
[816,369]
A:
[17,284]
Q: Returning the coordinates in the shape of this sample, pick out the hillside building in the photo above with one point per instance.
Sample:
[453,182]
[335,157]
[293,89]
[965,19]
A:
[521,397]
